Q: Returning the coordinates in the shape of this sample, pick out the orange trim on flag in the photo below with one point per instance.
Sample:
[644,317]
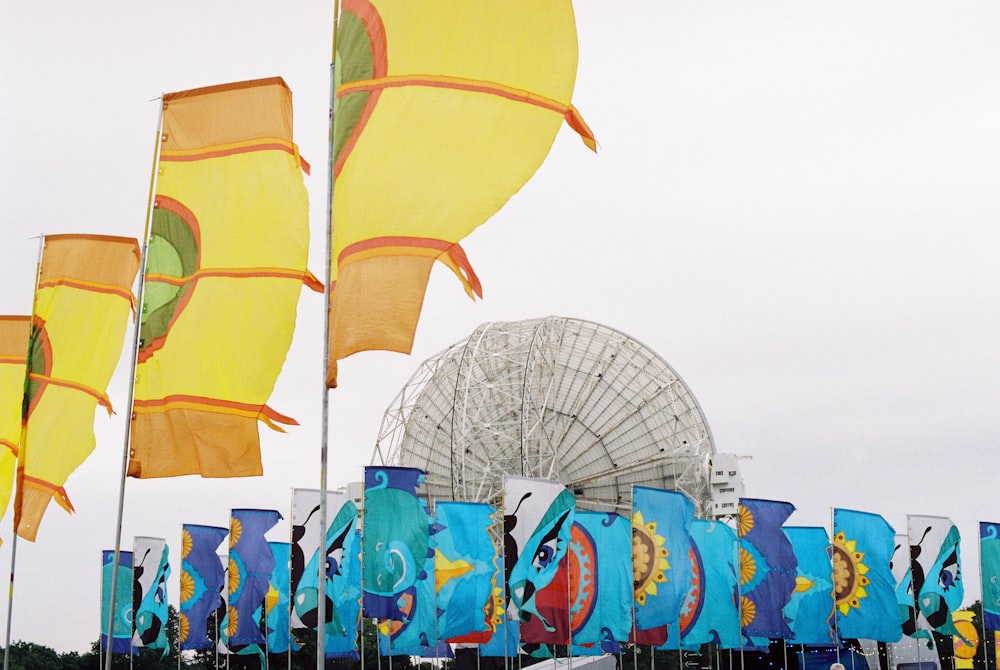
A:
[85,285]
[9,445]
[13,360]
[312,282]
[568,112]
[249,146]
[58,493]
[232,273]
[101,398]
[261,412]
[449,253]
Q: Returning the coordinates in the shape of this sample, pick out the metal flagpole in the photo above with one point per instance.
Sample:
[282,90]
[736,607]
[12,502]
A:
[635,641]
[13,547]
[833,593]
[131,387]
[325,423]
[982,598]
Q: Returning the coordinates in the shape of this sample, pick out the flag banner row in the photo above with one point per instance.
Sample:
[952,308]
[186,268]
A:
[547,574]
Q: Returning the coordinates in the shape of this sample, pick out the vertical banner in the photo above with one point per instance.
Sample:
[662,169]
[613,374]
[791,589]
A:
[808,612]
[225,265]
[767,567]
[465,571]
[432,136]
[149,593]
[277,602]
[661,543]
[711,603]
[342,560]
[936,568]
[14,335]
[202,582]
[600,581]
[538,515]
[989,571]
[121,626]
[864,586]
[82,308]
[250,565]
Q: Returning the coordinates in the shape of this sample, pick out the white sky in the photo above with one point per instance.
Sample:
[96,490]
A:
[795,204]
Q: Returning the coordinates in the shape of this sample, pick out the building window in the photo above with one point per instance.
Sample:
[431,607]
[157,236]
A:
[727,504]
[732,473]
[719,472]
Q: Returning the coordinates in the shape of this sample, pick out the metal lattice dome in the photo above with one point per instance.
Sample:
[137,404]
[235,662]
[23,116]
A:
[555,398]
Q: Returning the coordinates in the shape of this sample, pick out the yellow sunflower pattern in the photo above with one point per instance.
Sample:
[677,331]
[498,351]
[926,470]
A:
[649,558]
[849,574]
[187,586]
[186,543]
[234,576]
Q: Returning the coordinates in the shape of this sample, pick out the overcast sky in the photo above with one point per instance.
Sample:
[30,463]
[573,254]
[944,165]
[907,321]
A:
[794,204]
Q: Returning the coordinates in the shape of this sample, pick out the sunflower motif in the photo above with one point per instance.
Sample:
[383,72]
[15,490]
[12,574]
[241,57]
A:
[744,521]
[234,621]
[748,567]
[494,607]
[234,576]
[187,586]
[649,558]
[235,530]
[186,543]
[849,580]
[185,626]
[748,611]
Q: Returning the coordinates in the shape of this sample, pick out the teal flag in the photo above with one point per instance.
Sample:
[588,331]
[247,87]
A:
[276,602]
[661,542]
[149,593]
[809,610]
[989,564]
[710,613]
[121,631]
[600,580]
[465,569]
[865,590]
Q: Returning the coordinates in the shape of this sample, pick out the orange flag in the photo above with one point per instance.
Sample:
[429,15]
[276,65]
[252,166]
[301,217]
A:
[14,331]
[82,307]
[226,264]
[445,109]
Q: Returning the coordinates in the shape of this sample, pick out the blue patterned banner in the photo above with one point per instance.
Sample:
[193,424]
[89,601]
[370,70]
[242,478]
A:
[767,568]
[121,631]
[809,609]
[600,581]
[250,565]
[661,543]
[865,590]
[989,559]
[465,570]
[202,581]
[935,556]
[276,602]
[710,612]
[149,593]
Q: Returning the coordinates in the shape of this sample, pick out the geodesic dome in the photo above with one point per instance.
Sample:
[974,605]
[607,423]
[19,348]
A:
[554,398]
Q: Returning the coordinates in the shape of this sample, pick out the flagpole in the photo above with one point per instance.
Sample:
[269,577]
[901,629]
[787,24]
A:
[982,597]
[137,330]
[635,634]
[325,423]
[13,548]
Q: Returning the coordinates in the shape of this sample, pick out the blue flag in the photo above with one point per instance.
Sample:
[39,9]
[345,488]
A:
[711,614]
[767,568]
[250,565]
[661,542]
[989,560]
[600,581]
[202,581]
[809,609]
[121,631]
[465,569]
[865,589]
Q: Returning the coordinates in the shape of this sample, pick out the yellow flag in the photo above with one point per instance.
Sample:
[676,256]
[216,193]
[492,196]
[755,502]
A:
[445,108]
[226,263]
[14,331]
[82,307]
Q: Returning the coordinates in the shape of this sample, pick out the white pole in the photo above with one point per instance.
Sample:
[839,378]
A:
[131,387]
[325,422]
[13,548]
